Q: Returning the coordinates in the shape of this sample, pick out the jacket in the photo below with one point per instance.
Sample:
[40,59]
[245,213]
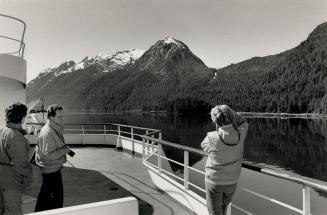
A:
[14,147]
[50,150]
[225,154]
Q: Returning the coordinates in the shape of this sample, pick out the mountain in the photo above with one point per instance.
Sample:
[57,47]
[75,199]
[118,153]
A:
[167,72]
[294,81]
[59,84]
[165,77]
[168,76]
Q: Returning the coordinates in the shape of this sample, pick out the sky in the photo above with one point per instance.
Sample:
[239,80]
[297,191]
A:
[220,32]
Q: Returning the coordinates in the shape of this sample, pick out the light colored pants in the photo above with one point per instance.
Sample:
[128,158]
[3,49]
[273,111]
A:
[10,202]
[218,197]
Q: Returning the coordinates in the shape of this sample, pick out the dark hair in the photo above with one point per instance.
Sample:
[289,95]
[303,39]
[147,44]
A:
[52,110]
[15,113]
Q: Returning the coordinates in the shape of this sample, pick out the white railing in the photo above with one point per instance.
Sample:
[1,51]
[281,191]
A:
[134,133]
[306,183]
[21,49]
[152,145]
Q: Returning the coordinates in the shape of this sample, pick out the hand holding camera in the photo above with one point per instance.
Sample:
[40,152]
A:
[71,153]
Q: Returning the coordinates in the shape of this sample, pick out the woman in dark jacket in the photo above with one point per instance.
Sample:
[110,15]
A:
[15,171]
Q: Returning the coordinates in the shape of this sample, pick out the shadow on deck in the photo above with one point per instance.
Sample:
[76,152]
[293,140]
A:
[82,186]
[98,174]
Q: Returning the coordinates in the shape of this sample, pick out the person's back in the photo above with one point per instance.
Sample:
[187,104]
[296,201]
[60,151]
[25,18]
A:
[14,148]
[225,154]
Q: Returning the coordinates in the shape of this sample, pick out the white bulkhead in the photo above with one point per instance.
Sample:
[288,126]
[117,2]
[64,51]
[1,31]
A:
[12,82]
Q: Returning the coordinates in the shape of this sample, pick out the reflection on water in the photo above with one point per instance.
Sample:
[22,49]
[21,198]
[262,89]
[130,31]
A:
[299,145]
[293,144]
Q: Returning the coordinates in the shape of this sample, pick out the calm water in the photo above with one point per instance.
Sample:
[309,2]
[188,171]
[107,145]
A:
[298,145]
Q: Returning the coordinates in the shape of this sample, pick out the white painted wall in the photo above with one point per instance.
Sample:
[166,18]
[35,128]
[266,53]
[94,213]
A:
[12,82]
[80,139]
[122,206]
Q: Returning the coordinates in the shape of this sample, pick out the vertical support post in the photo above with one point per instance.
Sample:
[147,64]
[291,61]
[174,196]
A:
[186,163]
[105,134]
[159,158]
[83,132]
[160,136]
[306,200]
[132,137]
[229,209]
[143,148]
[152,144]
[119,145]
[147,142]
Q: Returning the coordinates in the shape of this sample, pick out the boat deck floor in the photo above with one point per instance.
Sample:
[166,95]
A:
[98,174]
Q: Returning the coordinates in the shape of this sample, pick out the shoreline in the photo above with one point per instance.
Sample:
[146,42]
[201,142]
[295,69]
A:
[246,114]
[285,115]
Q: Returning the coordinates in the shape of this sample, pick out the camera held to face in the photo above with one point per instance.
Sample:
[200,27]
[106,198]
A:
[71,153]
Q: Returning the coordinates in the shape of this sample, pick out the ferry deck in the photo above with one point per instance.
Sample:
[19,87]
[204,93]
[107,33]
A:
[139,180]
[115,161]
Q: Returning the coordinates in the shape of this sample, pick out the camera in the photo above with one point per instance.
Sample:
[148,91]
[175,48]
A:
[71,153]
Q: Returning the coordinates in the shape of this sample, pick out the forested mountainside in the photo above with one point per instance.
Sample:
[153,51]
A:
[294,81]
[169,77]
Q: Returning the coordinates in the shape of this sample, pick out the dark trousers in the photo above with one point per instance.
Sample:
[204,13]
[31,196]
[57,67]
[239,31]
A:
[51,195]
[218,198]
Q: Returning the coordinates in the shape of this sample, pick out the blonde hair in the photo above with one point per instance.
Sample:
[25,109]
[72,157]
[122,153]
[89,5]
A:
[224,115]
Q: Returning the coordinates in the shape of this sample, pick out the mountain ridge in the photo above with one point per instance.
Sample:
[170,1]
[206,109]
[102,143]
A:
[169,76]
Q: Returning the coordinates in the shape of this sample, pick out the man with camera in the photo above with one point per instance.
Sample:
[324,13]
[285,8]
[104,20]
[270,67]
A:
[50,156]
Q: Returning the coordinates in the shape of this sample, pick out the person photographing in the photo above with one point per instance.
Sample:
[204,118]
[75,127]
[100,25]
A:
[50,156]
[225,155]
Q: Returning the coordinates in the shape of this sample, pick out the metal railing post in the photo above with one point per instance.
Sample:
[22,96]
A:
[83,132]
[105,134]
[159,158]
[143,148]
[152,144]
[229,209]
[186,163]
[147,142]
[306,199]
[119,144]
[132,137]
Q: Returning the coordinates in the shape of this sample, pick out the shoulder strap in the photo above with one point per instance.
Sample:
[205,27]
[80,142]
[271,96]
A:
[239,138]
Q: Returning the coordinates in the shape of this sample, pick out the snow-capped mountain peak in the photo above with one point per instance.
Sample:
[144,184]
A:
[65,67]
[46,71]
[106,62]
[170,40]
[127,56]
